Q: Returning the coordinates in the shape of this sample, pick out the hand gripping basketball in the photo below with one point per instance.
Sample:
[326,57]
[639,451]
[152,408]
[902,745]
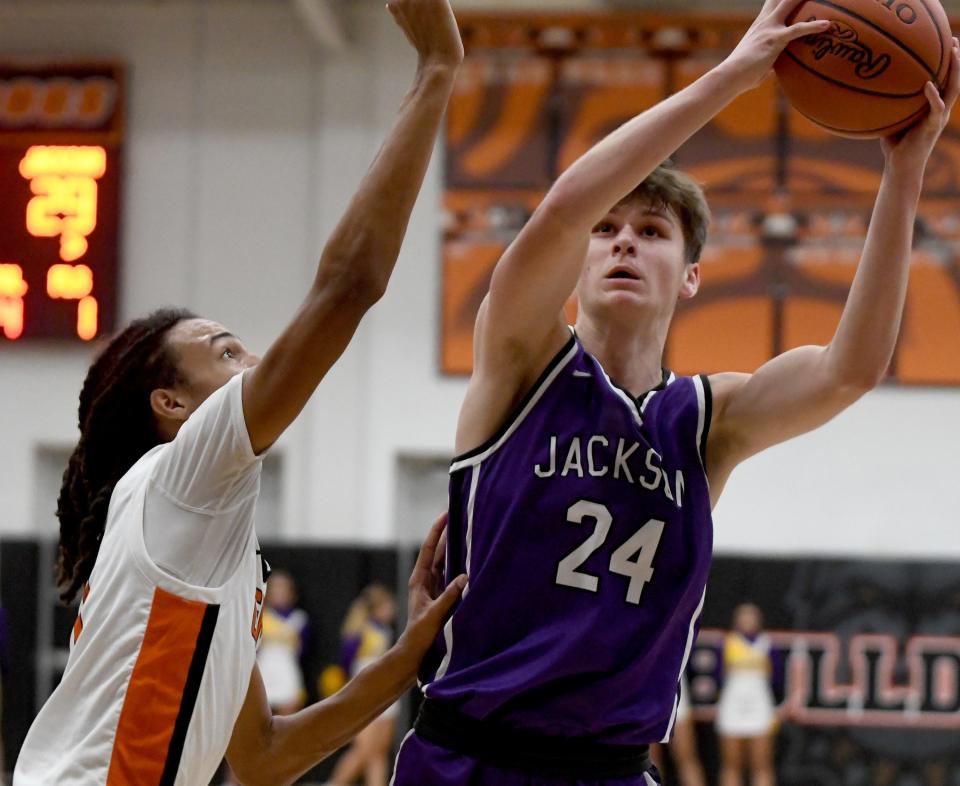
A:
[912,148]
[754,56]
[866,75]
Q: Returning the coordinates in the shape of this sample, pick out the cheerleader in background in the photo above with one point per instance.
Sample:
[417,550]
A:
[280,656]
[367,633]
[746,719]
[285,635]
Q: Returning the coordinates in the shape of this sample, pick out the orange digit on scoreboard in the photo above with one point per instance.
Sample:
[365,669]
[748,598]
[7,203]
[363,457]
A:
[61,128]
[12,290]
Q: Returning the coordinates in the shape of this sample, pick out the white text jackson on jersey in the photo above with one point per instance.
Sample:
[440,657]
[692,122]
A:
[598,457]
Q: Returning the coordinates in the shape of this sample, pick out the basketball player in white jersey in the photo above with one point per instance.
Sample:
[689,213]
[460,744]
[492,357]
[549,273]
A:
[156,510]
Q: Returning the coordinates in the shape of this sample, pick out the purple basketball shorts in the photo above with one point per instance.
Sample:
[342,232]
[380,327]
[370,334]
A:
[423,763]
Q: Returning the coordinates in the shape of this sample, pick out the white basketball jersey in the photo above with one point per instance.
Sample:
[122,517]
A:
[159,668]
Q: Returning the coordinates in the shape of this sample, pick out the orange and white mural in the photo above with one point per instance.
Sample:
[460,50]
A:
[791,203]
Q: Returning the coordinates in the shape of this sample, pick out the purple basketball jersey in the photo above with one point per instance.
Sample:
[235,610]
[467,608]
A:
[584,527]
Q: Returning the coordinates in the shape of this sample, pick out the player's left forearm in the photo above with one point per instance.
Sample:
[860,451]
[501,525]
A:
[300,741]
[862,348]
[270,750]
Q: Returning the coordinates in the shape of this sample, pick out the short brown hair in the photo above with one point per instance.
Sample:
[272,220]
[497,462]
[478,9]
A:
[668,187]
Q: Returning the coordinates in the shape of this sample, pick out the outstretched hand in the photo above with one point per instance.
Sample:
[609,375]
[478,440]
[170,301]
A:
[431,29]
[912,148]
[767,37]
[428,607]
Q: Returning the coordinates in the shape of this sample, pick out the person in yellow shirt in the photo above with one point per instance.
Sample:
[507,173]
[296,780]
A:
[366,634]
[280,657]
[746,720]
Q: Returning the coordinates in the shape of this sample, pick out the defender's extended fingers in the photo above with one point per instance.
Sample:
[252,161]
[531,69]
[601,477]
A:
[401,20]
[439,609]
[440,553]
[425,559]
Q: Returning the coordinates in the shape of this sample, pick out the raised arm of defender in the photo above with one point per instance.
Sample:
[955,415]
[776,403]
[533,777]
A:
[804,388]
[360,255]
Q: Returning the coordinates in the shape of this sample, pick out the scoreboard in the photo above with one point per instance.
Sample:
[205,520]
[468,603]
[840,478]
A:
[61,135]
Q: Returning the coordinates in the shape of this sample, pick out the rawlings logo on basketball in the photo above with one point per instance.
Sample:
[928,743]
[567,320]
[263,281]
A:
[843,42]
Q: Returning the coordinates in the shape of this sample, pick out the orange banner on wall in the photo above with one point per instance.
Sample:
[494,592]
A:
[538,92]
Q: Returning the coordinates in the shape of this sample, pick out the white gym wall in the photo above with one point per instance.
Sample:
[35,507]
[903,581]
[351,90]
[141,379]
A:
[245,138]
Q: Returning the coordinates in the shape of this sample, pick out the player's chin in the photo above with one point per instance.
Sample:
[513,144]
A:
[627,294]
[618,304]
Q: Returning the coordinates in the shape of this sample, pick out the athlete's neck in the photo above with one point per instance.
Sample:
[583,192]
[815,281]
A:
[632,357]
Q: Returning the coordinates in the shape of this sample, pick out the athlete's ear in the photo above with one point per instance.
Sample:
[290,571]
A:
[691,281]
[169,406]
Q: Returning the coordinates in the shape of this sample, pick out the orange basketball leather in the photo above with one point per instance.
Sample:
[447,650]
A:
[864,76]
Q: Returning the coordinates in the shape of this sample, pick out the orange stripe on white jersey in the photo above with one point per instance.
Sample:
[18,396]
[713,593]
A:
[78,623]
[156,690]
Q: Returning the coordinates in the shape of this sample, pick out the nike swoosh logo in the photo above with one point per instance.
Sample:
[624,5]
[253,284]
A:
[586,374]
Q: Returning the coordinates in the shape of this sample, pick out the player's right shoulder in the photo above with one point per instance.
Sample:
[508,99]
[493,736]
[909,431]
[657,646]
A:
[487,403]
[515,334]
[725,382]
[511,356]
[502,378]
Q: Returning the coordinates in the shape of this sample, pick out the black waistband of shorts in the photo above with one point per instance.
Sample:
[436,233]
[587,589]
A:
[527,751]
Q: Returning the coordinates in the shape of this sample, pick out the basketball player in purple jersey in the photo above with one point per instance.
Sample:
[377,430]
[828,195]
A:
[580,502]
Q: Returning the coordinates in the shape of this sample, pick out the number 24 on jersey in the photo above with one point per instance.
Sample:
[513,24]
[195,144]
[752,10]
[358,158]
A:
[633,559]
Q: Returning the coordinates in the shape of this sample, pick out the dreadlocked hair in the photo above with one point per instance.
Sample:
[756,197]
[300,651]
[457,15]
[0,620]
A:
[117,427]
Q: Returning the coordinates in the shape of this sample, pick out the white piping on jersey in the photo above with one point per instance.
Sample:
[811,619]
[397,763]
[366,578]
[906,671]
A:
[701,421]
[652,393]
[448,628]
[646,400]
[471,501]
[445,663]
[648,779]
[480,457]
[683,665]
[631,404]
[396,761]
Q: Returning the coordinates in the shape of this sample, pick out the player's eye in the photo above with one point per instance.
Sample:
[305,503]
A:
[228,353]
[651,231]
[603,228]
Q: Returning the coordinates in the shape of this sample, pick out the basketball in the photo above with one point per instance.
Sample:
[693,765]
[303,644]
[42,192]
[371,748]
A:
[864,76]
